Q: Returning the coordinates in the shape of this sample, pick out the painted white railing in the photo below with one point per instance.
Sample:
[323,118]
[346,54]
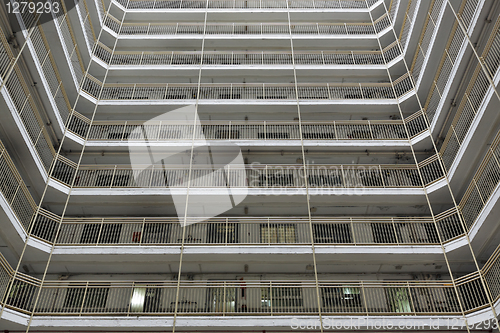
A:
[24,104]
[242,4]
[256,91]
[248,28]
[251,130]
[255,175]
[241,58]
[246,297]
[366,230]
[472,100]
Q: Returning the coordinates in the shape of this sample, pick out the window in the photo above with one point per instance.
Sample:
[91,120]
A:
[341,299]
[276,180]
[383,233]
[398,299]
[95,299]
[45,228]
[273,135]
[281,297]
[110,233]
[73,300]
[90,233]
[226,134]
[330,180]
[21,295]
[156,233]
[331,233]
[277,233]
[220,233]
[146,299]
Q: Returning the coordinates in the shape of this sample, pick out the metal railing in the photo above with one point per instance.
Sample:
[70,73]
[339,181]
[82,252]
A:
[366,230]
[247,130]
[429,30]
[483,184]
[472,100]
[261,298]
[242,297]
[247,230]
[242,4]
[491,273]
[47,67]
[6,56]
[255,175]
[248,28]
[241,58]
[478,194]
[15,191]
[251,130]
[86,23]
[69,43]
[257,91]
[451,58]
[25,105]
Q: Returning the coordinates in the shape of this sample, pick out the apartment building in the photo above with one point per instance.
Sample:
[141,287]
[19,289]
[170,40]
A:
[249,165]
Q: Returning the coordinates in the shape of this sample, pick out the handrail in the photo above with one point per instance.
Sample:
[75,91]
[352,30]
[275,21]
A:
[255,175]
[483,184]
[86,23]
[14,190]
[433,18]
[235,91]
[243,4]
[274,297]
[24,104]
[248,130]
[376,230]
[240,58]
[485,180]
[68,41]
[472,100]
[247,28]
[6,56]
[447,63]
[448,222]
